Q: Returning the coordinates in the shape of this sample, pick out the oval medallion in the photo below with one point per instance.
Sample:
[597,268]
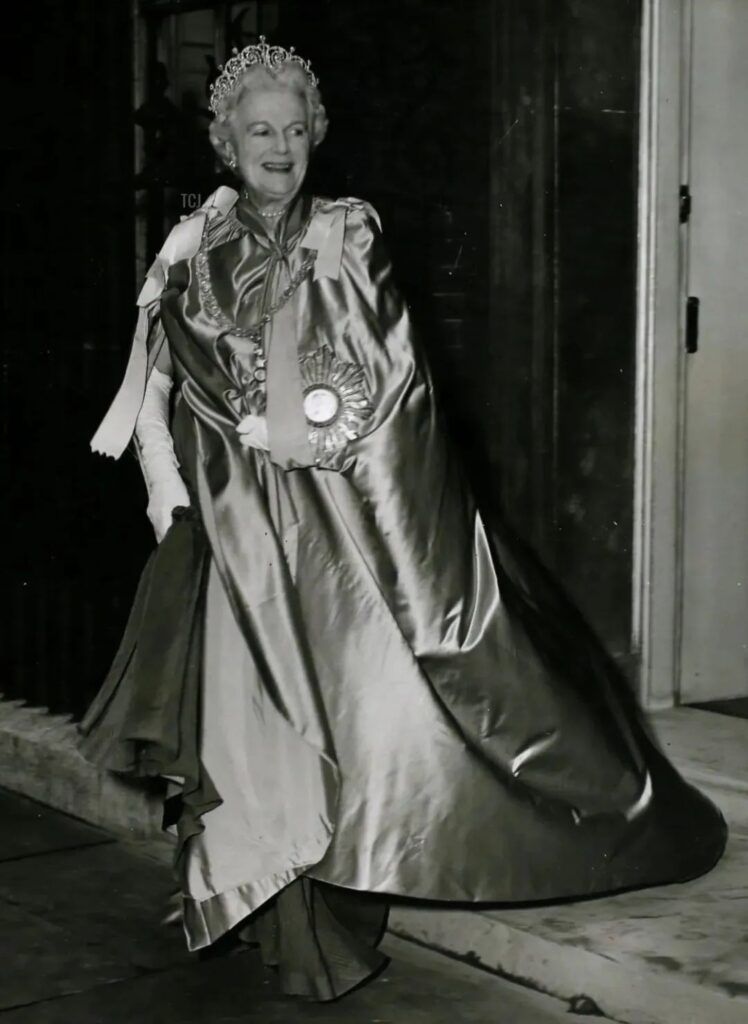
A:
[321,405]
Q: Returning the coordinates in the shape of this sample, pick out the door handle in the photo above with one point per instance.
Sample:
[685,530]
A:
[692,324]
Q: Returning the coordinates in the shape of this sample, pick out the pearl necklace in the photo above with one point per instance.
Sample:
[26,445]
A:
[268,215]
[273,215]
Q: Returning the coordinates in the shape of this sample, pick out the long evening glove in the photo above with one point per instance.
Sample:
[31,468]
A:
[155,448]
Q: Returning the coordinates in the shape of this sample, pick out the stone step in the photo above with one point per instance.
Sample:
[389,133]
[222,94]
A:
[711,751]
[672,955]
[39,759]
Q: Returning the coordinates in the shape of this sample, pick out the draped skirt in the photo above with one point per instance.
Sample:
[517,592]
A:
[420,811]
[183,701]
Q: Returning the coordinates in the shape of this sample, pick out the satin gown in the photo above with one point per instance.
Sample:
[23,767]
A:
[353,681]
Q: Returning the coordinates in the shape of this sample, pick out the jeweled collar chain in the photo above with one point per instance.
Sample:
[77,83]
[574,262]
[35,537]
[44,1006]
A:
[210,304]
[214,311]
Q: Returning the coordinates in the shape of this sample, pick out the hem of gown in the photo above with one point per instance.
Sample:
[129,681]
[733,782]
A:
[205,921]
[322,940]
[321,959]
[296,983]
[489,893]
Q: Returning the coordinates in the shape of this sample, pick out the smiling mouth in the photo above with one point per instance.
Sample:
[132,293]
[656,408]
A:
[278,168]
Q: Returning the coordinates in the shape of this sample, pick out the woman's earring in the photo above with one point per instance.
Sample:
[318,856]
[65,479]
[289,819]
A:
[232,163]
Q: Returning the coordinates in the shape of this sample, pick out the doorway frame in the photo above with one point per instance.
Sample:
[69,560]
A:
[657,597]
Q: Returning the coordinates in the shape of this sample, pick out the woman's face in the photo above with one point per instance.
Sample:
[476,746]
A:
[271,143]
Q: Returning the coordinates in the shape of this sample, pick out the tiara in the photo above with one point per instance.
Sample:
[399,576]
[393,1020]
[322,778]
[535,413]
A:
[271,57]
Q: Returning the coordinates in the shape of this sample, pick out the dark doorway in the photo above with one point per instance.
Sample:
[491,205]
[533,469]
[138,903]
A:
[498,140]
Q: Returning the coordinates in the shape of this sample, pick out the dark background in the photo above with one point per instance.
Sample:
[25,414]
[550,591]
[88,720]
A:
[498,140]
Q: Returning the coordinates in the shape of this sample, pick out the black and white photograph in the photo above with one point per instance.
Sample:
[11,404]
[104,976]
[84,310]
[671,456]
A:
[375,470]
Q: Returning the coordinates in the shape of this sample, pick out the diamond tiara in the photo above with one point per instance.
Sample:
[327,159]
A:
[271,57]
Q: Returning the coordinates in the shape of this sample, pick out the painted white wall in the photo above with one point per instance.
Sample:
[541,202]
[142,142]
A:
[692,424]
[660,357]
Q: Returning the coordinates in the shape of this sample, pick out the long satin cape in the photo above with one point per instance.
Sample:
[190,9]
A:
[470,738]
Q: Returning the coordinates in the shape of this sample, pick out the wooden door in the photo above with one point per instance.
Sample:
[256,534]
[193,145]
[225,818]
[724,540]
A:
[714,661]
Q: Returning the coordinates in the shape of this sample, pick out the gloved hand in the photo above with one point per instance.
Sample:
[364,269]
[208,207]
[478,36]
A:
[253,432]
[155,448]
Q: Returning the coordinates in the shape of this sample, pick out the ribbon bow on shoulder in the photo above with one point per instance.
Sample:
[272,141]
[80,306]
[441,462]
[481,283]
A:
[326,233]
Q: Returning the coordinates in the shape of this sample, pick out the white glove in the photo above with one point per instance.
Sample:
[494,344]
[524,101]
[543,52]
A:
[253,432]
[155,448]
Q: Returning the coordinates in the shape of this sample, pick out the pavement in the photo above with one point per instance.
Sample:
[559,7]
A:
[81,943]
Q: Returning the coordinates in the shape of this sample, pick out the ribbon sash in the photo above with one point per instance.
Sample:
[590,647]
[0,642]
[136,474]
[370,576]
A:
[182,242]
[326,234]
[288,431]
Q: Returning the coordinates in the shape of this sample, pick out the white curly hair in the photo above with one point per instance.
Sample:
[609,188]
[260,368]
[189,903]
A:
[289,76]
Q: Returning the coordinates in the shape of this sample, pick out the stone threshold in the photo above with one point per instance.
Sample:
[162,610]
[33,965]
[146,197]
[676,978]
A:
[671,955]
[711,751]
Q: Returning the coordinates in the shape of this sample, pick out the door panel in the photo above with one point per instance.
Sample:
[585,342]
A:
[715,612]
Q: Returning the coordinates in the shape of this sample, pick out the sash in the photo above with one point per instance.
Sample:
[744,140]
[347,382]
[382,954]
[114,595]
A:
[117,427]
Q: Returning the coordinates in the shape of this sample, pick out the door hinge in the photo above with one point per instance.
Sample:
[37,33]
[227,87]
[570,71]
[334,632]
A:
[685,204]
[692,324]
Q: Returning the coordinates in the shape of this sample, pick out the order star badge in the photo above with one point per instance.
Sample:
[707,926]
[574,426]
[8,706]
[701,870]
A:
[336,401]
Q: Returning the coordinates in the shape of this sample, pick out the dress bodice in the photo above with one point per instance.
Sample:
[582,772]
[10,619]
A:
[217,303]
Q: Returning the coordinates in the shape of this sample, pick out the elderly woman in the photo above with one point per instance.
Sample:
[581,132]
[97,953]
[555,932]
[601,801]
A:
[352,685]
